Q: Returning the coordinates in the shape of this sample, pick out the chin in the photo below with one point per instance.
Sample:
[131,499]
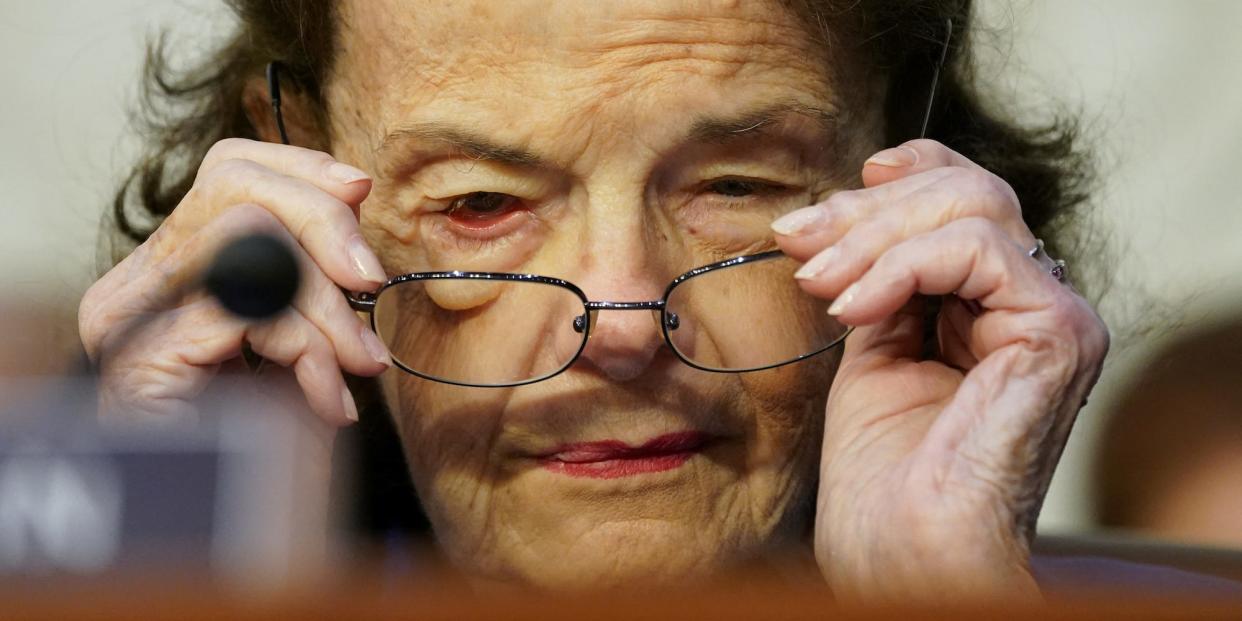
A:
[633,553]
[577,538]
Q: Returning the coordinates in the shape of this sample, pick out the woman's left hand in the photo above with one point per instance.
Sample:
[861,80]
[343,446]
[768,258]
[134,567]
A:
[934,469]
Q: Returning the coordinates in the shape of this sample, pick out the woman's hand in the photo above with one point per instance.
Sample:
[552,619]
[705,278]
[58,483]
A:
[304,197]
[934,470]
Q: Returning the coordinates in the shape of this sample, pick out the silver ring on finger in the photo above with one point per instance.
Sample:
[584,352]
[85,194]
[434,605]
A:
[1055,267]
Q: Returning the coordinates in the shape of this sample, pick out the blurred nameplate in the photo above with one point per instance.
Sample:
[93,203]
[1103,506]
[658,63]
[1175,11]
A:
[220,494]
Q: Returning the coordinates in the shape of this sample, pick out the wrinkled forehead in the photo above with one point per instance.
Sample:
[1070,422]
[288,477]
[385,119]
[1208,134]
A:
[569,67]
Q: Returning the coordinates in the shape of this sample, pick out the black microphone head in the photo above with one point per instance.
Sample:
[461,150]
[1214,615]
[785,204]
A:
[254,276]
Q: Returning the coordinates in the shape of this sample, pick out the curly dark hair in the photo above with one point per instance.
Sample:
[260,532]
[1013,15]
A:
[186,111]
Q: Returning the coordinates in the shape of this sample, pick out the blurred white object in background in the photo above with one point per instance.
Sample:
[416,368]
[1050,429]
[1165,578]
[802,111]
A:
[239,496]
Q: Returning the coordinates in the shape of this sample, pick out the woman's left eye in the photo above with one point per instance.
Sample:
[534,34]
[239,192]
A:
[738,188]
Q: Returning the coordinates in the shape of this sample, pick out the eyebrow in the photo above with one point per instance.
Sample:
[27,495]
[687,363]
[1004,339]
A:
[705,129]
[473,145]
[756,121]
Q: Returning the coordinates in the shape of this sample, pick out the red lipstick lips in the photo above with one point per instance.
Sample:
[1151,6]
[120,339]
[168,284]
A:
[612,459]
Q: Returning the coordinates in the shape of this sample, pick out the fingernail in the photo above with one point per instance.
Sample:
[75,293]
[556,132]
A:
[365,263]
[796,222]
[843,300]
[374,347]
[817,264]
[351,410]
[344,173]
[896,157]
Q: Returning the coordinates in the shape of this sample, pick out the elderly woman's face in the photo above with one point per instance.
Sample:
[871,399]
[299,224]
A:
[614,145]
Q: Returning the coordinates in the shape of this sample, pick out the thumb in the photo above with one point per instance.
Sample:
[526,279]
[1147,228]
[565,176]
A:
[896,337]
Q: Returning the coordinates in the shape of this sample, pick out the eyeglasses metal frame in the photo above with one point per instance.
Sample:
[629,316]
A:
[365,302]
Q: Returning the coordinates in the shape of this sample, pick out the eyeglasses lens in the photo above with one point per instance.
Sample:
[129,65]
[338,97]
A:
[480,332]
[748,316]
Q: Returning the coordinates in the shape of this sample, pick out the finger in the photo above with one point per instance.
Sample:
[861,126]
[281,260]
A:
[357,349]
[156,371]
[322,224]
[898,336]
[972,257]
[878,355]
[167,366]
[911,158]
[864,223]
[348,184]
[293,341]
[157,281]
[957,194]
[810,229]
[804,232]
[953,333]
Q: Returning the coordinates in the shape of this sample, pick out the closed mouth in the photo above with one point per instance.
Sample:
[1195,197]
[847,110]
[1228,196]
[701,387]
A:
[611,459]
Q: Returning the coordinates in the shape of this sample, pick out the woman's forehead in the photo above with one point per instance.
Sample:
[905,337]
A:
[536,27]
[572,67]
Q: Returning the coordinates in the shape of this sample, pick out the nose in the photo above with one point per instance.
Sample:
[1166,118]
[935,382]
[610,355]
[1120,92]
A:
[624,256]
[623,342]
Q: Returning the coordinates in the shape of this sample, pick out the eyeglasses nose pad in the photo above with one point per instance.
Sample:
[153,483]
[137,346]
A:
[670,320]
[583,322]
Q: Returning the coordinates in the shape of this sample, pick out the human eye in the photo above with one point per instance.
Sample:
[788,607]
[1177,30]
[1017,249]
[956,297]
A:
[482,210]
[742,191]
[482,216]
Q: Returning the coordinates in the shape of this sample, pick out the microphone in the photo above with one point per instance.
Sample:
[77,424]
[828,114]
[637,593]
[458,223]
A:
[254,276]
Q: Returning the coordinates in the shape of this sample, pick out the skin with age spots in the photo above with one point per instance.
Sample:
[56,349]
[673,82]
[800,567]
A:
[607,127]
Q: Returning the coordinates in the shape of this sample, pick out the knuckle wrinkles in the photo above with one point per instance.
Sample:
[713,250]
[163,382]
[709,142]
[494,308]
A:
[974,183]
[992,193]
[1053,343]
[253,216]
[237,171]
[1063,335]
[228,145]
[887,231]
[318,346]
[845,201]
[320,159]
[223,151]
[326,304]
[977,227]
[225,179]
[1093,333]
[89,323]
[1063,314]
[218,152]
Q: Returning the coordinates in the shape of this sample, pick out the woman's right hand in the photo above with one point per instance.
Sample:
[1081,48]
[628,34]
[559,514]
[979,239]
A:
[306,198]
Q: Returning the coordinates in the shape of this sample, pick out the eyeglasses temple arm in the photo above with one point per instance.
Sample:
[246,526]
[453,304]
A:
[935,81]
[273,91]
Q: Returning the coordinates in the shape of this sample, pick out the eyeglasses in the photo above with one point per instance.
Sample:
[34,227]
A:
[489,329]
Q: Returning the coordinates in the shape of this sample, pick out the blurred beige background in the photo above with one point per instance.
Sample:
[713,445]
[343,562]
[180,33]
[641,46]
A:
[1156,82]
